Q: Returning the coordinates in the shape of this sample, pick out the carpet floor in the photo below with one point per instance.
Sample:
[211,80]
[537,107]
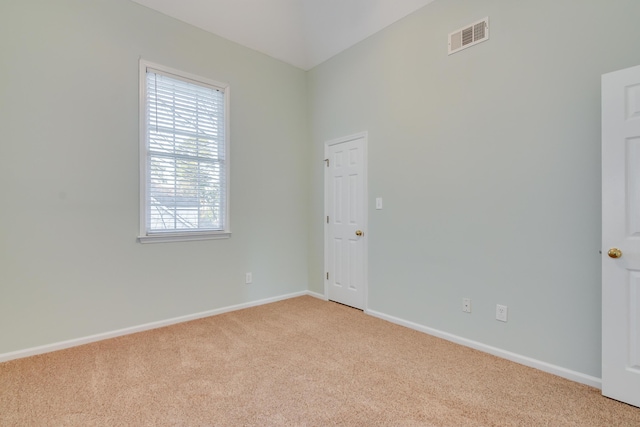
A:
[299,362]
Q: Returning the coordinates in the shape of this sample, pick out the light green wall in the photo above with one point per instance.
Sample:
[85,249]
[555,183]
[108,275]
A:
[69,262]
[489,165]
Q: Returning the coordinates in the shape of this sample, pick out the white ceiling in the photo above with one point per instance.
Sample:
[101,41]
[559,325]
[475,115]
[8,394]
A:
[303,33]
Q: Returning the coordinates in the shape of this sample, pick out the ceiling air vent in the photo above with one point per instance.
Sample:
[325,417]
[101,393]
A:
[469,35]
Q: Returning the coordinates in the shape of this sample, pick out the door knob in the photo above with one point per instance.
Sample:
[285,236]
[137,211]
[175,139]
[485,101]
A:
[614,253]
[359,233]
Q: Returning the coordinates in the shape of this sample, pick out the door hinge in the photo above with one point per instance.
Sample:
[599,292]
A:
[327,275]
[327,160]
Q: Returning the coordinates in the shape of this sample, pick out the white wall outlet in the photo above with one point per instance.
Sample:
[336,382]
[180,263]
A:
[466,305]
[248,278]
[501,313]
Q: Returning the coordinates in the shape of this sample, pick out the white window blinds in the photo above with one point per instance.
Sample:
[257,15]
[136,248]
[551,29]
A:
[185,155]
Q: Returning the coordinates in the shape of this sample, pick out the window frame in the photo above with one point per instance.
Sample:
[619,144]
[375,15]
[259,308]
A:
[178,235]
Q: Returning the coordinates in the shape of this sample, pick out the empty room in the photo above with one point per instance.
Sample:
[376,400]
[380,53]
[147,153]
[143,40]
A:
[319,212]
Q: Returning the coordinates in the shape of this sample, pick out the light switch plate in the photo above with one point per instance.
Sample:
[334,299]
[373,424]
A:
[378,203]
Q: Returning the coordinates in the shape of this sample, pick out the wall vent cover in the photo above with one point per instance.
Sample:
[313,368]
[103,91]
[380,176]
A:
[469,35]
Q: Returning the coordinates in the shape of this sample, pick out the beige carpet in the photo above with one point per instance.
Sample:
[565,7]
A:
[300,362]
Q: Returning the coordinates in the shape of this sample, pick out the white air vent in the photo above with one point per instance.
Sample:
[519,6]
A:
[469,35]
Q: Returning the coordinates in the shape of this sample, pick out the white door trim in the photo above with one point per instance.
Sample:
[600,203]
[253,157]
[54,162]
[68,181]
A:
[365,213]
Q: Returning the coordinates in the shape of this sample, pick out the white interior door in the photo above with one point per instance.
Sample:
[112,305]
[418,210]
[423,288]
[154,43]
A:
[345,226]
[621,235]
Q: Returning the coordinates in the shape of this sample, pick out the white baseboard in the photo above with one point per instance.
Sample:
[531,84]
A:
[4,357]
[317,295]
[527,361]
[523,360]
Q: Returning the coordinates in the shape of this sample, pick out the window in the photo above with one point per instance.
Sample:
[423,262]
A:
[184,156]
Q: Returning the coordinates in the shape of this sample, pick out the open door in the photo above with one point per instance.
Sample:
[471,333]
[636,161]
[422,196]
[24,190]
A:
[621,235]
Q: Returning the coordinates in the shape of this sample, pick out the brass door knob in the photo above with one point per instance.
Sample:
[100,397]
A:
[614,253]
[359,233]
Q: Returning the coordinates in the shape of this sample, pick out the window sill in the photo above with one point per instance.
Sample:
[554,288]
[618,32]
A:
[183,237]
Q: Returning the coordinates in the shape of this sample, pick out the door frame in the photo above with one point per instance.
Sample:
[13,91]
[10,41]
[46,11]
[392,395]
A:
[365,213]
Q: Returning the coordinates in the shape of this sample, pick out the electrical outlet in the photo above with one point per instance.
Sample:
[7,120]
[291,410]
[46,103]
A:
[248,278]
[501,313]
[466,305]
